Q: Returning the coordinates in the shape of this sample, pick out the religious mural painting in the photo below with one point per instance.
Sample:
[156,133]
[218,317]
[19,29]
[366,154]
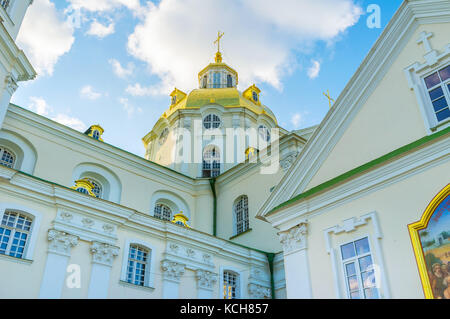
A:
[431,241]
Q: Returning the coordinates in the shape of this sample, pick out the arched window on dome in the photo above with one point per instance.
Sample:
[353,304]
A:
[229,81]
[211,162]
[205,82]
[264,133]
[255,96]
[96,134]
[211,121]
[216,80]
[7,157]
[240,209]
[163,212]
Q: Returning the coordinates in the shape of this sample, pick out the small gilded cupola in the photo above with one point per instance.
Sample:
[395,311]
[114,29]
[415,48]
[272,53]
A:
[176,96]
[96,132]
[252,93]
[218,75]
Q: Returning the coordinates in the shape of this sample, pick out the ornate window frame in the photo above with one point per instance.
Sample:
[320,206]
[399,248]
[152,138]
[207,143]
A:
[414,229]
[417,72]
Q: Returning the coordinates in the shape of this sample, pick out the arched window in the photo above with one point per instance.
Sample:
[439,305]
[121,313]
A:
[163,212]
[7,158]
[97,189]
[211,121]
[264,133]
[229,81]
[205,82]
[211,162]
[96,134]
[138,265]
[241,214]
[230,285]
[14,233]
[216,80]
[255,96]
[163,136]
[82,190]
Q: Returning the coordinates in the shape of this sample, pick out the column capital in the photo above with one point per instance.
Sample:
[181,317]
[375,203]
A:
[172,270]
[256,291]
[103,253]
[294,239]
[61,242]
[205,279]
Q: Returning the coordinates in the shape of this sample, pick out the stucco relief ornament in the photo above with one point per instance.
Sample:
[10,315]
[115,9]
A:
[108,228]
[67,217]
[61,242]
[287,162]
[294,239]
[87,222]
[172,270]
[258,292]
[206,279]
[103,253]
[11,84]
[207,259]
[190,253]
[174,248]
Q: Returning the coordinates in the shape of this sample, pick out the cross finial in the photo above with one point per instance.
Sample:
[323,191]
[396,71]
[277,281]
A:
[219,36]
[329,98]
[424,38]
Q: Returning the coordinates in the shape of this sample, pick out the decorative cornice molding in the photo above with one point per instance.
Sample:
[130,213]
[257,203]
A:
[294,239]
[258,292]
[61,242]
[206,279]
[10,84]
[103,253]
[172,270]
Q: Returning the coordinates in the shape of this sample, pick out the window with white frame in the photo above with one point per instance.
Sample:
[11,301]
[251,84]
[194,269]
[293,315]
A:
[7,157]
[216,80]
[211,121]
[230,285]
[359,272]
[229,81]
[138,265]
[211,162]
[438,87]
[205,82]
[241,214]
[15,230]
[163,212]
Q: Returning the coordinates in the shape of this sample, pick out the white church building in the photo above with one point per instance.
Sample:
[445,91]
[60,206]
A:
[228,204]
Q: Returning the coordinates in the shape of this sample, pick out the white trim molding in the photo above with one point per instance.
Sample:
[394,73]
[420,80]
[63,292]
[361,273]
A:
[349,225]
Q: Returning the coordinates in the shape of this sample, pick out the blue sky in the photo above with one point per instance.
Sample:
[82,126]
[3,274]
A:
[79,85]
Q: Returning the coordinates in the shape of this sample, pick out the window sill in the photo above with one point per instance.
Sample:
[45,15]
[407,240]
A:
[127,284]
[440,126]
[245,232]
[16,259]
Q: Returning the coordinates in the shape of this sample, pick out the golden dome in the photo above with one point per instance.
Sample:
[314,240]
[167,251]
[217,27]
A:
[226,97]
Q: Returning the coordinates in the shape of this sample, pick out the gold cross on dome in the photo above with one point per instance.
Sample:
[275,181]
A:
[219,36]
[328,97]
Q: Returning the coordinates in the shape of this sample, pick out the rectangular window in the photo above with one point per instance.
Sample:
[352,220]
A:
[14,232]
[230,285]
[137,265]
[359,270]
[438,87]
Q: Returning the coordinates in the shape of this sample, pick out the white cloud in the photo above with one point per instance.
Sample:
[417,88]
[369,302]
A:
[72,122]
[130,109]
[45,36]
[176,38]
[314,69]
[164,87]
[39,106]
[104,5]
[121,71]
[88,92]
[100,30]
[296,120]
